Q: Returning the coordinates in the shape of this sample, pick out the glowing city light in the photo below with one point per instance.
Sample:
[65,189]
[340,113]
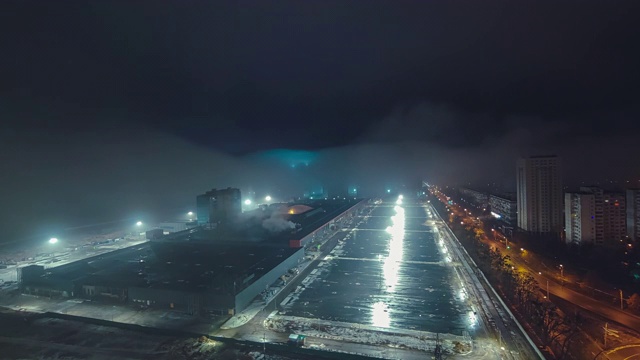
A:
[53,240]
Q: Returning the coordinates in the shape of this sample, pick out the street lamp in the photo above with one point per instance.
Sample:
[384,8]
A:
[267,198]
[139,223]
[561,271]
[247,202]
[53,241]
[190,213]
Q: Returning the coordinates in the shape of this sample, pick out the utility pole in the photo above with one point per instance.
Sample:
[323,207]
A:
[548,289]
[438,350]
[621,299]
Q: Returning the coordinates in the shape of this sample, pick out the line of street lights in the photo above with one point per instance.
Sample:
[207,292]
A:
[55,240]
[267,198]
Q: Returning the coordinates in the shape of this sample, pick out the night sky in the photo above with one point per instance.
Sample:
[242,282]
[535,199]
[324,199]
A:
[113,110]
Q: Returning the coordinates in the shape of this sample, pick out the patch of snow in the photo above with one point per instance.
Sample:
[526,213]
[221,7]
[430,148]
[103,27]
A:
[334,330]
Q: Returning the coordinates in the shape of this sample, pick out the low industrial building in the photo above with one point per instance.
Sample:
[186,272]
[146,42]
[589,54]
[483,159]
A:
[199,270]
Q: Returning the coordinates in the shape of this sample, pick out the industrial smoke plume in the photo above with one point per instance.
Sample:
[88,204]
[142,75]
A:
[276,223]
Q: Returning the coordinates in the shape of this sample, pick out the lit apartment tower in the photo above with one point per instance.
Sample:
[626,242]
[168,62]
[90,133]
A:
[598,194]
[504,207]
[633,214]
[539,194]
[580,217]
[218,206]
[610,215]
[614,218]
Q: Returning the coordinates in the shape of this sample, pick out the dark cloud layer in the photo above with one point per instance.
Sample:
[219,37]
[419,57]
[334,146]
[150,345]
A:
[240,76]
[116,110]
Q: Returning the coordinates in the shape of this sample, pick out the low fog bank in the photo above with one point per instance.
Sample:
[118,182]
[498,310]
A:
[51,182]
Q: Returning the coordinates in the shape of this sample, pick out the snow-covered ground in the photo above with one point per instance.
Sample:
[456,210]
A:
[255,355]
[334,330]
[244,316]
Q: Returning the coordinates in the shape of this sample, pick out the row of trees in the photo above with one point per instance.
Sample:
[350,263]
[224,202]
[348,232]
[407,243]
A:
[522,290]
[519,288]
[634,302]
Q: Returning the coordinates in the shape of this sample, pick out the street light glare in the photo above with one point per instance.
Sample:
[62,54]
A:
[247,202]
[190,213]
[139,223]
[53,240]
[268,198]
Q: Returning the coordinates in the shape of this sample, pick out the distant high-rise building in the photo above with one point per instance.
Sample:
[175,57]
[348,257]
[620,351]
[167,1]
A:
[539,194]
[504,207]
[633,214]
[580,217]
[218,206]
[598,194]
[614,218]
[609,215]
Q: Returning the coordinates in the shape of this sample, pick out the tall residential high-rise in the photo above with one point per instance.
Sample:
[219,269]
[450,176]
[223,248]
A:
[218,206]
[633,214]
[598,194]
[539,194]
[609,215]
[614,218]
[580,218]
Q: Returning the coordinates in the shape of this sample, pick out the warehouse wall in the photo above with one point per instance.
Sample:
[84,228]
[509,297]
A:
[244,298]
